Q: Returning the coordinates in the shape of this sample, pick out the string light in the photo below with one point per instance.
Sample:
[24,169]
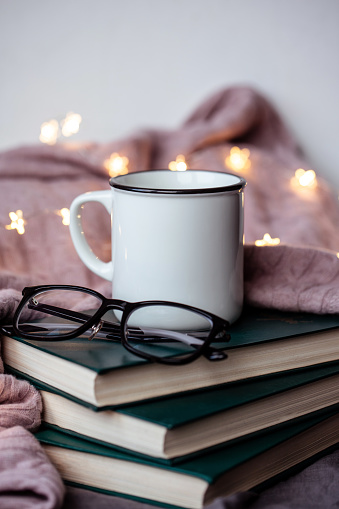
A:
[17,222]
[52,130]
[267,241]
[116,164]
[65,214]
[303,178]
[49,132]
[71,124]
[238,159]
[179,164]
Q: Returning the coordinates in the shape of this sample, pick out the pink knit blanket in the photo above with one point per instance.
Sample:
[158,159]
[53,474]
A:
[301,273]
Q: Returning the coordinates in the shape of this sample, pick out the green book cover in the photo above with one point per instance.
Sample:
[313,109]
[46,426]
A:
[183,409]
[185,423]
[262,342]
[255,326]
[238,465]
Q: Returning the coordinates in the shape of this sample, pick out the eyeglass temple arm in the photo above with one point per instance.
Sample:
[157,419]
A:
[75,316]
[83,318]
[178,336]
[210,353]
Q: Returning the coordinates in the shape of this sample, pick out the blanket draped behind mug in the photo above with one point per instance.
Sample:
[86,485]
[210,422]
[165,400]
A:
[236,130]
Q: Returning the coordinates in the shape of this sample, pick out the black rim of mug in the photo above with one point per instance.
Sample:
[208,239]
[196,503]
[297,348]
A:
[231,188]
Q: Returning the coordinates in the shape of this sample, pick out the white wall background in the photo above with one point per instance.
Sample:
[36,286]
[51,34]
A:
[128,64]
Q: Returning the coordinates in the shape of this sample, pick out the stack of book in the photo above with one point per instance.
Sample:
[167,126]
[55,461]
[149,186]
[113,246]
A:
[184,435]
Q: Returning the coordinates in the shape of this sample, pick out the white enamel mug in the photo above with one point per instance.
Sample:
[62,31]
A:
[176,236]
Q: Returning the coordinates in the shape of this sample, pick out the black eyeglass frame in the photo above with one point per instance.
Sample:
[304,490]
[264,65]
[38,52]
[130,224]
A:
[219,325]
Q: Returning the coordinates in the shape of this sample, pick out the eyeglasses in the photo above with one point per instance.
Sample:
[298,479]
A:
[159,331]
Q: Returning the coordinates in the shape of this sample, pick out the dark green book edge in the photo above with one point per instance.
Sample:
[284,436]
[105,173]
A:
[209,466]
[182,408]
[253,327]
[179,459]
[256,489]
[123,495]
[215,461]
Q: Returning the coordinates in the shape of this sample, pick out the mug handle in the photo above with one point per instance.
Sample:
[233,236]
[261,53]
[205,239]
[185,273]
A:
[102,269]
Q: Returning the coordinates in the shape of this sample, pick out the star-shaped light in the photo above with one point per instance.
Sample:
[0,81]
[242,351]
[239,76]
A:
[267,241]
[17,222]
[116,164]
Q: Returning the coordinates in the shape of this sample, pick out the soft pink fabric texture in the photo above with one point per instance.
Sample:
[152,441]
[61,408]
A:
[293,276]
[300,274]
[27,478]
[20,404]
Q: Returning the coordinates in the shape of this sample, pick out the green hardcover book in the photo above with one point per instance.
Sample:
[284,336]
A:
[197,481]
[104,374]
[186,423]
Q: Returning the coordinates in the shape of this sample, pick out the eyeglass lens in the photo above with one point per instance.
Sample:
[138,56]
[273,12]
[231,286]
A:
[43,314]
[166,331]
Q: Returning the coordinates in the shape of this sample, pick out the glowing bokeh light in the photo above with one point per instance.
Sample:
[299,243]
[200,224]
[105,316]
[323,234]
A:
[304,178]
[49,132]
[71,124]
[17,222]
[65,214]
[267,241]
[238,159]
[116,165]
[179,164]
